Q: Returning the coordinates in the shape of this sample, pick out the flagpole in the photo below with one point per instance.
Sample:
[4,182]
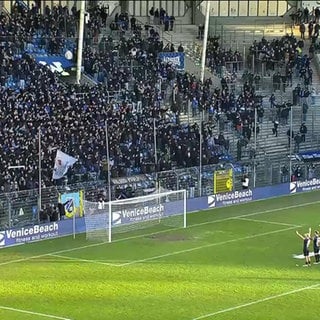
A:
[202,74]
[39,182]
[80,40]
[255,146]
[290,145]
[109,179]
[200,154]
[155,150]
[205,40]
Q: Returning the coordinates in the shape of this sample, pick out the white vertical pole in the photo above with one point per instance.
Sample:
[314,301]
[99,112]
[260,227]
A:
[203,65]
[205,40]
[74,225]
[155,151]
[155,143]
[110,220]
[290,145]
[184,208]
[80,40]
[253,58]
[255,147]
[200,155]
[39,178]
[109,180]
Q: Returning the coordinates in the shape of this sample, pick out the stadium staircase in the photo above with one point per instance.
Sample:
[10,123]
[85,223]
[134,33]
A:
[269,147]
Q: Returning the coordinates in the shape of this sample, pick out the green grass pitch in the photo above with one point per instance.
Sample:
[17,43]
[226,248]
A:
[229,263]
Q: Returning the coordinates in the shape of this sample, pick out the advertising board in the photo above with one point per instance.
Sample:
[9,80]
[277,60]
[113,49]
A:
[15,236]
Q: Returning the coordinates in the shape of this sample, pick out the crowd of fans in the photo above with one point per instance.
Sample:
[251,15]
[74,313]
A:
[73,118]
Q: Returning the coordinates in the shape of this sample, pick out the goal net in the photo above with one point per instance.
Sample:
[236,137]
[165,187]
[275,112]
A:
[157,211]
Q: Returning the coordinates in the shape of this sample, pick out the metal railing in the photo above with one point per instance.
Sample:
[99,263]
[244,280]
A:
[19,208]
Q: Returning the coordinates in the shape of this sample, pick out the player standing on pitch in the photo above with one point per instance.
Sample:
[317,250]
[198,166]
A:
[306,242]
[316,244]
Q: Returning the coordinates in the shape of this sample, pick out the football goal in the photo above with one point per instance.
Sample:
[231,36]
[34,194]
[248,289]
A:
[158,211]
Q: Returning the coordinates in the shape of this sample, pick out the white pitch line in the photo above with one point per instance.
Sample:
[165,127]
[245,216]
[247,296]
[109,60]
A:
[159,232]
[167,254]
[256,302]
[44,315]
[270,222]
[84,260]
[204,246]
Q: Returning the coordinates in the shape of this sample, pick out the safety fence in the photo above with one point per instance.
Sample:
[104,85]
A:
[20,208]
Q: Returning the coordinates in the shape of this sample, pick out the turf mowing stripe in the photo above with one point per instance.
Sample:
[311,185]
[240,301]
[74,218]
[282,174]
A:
[270,222]
[44,315]
[257,301]
[158,232]
[204,246]
[84,260]
[169,254]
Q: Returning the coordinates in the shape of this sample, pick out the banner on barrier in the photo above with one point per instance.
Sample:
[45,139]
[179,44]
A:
[174,58]
[303,186]
[16,236]
[56,63]
[28,234]
[236,197]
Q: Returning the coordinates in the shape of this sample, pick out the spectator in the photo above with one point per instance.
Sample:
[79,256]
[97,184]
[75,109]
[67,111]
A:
[180,48]
[162,14]
[275,128]
[200,31]
[272,100]
[151,15]
[304,112]
[310,29]
[166,21]
[133,21]
[172,20]
[284,174]
[303,132]
[297,140]
[245,182]
[156,17]
[290,135]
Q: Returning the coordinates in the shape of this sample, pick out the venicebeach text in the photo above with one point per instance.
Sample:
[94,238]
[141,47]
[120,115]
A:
[34,230]
[308,183]
[234,195]
[142,211]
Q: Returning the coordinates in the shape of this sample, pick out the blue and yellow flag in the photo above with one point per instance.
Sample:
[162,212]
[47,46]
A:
[69,208]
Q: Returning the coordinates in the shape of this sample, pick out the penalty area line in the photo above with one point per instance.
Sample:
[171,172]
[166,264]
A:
[315,286]
[84,260]
[269,222]
[204,246]
[44,315]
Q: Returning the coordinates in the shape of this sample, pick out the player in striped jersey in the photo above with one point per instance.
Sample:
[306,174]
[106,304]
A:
[306,242]
[316,245]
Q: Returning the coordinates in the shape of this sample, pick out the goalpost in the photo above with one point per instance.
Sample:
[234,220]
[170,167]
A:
[158,211]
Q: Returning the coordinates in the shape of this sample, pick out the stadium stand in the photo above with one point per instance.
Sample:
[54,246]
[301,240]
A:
[134,88]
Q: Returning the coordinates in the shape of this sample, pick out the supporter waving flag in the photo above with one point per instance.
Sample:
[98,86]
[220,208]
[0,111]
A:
[62,163]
